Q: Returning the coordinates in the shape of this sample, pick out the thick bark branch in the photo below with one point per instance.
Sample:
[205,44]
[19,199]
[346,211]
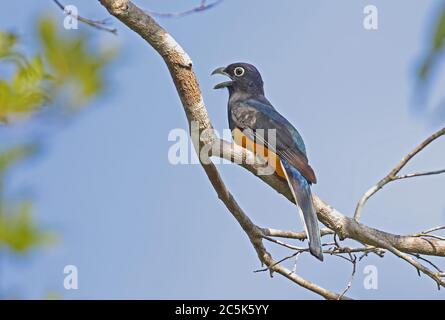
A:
[344,226]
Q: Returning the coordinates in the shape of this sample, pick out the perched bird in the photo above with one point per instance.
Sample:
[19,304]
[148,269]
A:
[257,126]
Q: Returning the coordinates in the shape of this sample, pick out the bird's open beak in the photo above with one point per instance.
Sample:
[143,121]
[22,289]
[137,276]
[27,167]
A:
[224,84]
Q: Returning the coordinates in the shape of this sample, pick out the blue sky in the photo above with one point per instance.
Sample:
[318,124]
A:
[138,227]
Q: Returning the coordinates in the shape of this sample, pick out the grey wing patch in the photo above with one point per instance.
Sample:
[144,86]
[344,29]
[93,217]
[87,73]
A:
[244,117]
[254,124]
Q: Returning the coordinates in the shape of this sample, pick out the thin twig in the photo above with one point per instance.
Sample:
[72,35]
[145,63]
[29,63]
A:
[337,251]
[369,249]
[393,175]
[202,7]
[281,243]
[98,24]
[419,174]
[419,267]
[427,233]
[294,269]
[277,263]
[431,236]
[433,229]
[293,235]
[418,256]
[353,260]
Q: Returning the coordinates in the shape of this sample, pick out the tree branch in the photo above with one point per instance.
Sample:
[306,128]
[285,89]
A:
[393,175]
[344,226]
[419,174]
[100,25]
[201,7]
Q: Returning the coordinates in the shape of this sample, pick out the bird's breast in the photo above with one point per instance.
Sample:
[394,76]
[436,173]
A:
[259,149]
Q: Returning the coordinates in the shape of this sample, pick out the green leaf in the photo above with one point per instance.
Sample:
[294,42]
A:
[13,155]
[7,42]
[75,73]
[437,45]
[439,34]
[26,92]
[72,63]
[18,231]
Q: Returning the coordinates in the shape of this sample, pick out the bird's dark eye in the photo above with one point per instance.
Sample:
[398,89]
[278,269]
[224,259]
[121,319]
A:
[239,71]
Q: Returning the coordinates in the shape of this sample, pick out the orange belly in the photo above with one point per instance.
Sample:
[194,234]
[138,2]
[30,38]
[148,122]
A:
[271,157]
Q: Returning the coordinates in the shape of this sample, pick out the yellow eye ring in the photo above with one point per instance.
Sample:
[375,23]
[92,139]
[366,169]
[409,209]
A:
[239,71]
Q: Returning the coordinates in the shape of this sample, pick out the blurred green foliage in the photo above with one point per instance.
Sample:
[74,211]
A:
[64,68]
[25,93]
[7,43]
[13,155]
[18,231]
[429,64]
[65,74]
[436,47]
[71,63]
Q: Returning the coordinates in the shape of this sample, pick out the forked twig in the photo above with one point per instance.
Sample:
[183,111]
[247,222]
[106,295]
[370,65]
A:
[393,175]
[98,24]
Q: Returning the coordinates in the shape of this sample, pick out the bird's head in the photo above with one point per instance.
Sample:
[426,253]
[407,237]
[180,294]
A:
[244,77]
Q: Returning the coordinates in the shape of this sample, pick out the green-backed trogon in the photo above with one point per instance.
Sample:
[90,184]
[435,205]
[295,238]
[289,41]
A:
[253,119]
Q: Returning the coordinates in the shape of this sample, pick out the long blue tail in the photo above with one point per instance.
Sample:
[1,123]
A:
[301,191]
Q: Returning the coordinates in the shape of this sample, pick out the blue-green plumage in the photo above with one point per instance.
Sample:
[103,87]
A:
[251,113]
[301,191]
